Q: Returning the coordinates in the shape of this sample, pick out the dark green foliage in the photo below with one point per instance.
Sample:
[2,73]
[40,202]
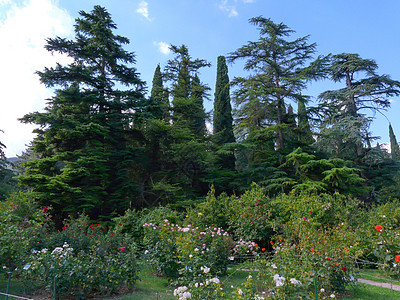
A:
[394,146]
[87,139]
[158,105]
[7,182]
[305,136]
[223,120]
[187,90]
[346,124]
[280,71]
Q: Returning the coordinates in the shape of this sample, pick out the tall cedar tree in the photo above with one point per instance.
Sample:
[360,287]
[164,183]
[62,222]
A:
[86,138]
[343,108]
[280,70]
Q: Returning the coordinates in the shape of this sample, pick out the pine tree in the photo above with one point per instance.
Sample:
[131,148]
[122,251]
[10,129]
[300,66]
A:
[394,146]
[87,140]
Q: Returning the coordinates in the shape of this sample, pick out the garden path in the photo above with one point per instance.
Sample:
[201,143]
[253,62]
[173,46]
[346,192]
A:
[380,284]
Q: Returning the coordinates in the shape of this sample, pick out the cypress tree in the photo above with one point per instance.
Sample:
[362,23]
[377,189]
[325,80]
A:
[394,146]
[305,135]
[222,121]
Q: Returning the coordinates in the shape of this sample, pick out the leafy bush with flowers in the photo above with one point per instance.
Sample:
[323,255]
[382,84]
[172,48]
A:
[91,260]
[250,215]
[180,252]
[386,215]
[320,258]
[213,211]
[386,244]
[208,287]
[20,220]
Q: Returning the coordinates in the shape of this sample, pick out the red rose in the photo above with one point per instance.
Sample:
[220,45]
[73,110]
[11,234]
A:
[397,258]
[344,269]
[378,227]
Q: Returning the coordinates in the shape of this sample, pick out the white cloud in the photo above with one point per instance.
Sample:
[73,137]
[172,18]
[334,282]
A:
[23,33]
[163,47]
[143,9]
[2,2]
[229,9]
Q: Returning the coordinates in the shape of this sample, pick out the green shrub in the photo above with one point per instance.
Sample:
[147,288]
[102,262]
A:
[180,253]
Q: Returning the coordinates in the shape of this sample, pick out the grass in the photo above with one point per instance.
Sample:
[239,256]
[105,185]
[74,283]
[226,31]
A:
[17,287]
[154,287]
[370,292]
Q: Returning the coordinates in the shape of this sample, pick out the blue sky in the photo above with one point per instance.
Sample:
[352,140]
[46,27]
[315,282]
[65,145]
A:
[208,27]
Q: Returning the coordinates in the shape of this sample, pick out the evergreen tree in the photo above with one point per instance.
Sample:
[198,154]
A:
[345,121]
[305,136]
[394,146]
[223,138]
[187,155]
[280,71]
[223,120]
[198,122]
[87,140]
[158,105]
[7,182]
[187,90]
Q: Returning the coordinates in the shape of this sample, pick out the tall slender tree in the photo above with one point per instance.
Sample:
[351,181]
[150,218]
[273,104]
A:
[394,146]
[87,139]
[222,119]
[305,135]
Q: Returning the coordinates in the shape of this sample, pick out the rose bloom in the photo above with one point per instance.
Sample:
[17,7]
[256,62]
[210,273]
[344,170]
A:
[378,227]
[344,269]
[397,258]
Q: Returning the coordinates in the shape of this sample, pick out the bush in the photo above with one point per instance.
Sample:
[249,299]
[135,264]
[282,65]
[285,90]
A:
[84,259]
[321,256]
[180,253]
[250,216]
[20,221]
